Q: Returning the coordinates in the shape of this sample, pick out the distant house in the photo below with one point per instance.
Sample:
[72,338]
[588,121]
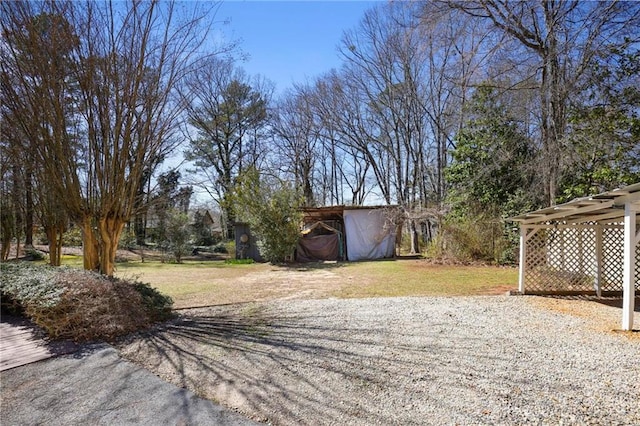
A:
[205,224]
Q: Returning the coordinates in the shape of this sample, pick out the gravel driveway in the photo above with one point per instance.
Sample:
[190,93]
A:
[463,360]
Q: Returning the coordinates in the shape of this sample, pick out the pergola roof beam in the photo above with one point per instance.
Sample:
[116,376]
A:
[567,211]
[610,216]
[627,198]
[574,211]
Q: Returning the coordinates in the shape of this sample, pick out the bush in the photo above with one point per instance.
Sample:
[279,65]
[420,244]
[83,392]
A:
[41,237]
[127,239]
[34,254]
[220,248]
[230,247]
[72,238]
[178,232]
[81,305]
[466,240]
[271,207]
[158,305]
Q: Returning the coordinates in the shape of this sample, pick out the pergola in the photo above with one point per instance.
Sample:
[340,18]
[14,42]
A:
[586,246]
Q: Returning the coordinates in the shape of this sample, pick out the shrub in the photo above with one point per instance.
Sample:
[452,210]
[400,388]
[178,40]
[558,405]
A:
[34,254]
[157,305]
[81,305]
[178,232]
[271,207]
[230,247]
[467,240]
[41,237]
[127,239]
[72,238]
[220,248]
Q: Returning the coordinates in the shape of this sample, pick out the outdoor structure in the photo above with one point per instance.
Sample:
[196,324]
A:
[320,241]
[347,233]
[586,246]
[246,243]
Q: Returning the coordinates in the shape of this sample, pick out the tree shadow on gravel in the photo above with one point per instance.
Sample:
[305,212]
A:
[192,352]
[283,371]
[311,369]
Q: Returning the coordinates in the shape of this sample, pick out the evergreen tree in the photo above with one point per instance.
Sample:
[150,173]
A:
[272,209]
[491,167]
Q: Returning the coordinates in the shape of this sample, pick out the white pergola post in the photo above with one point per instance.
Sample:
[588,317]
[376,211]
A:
[598,278]
[525,235]
[629,265]
[523,258]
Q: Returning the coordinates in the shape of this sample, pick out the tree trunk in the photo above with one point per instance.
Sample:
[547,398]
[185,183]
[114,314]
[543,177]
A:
[415,243]
[5,248]
[229,215]
[17,243]
[54,235]
[90,250]
[399,227]
[28,211]
[17,189]
[6,224]
[140,229]
[110,229]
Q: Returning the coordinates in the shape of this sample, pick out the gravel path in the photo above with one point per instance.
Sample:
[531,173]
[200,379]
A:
[464,360]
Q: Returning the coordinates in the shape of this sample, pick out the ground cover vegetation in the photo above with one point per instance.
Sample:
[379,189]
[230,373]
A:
[461,113]
[80,305]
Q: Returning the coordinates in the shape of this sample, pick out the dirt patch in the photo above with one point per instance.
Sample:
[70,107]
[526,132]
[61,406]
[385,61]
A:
[291,283]
[602,315]
[206,286]
[498,290]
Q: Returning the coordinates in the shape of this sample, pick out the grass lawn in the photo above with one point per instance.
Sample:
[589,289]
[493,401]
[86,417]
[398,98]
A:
[421,278]
[206,282]
[193,283]
[214,282]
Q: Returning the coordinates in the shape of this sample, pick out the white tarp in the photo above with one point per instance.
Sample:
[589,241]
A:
[367,234]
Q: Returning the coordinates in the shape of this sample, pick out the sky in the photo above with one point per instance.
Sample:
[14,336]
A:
[290,41]
[285,42]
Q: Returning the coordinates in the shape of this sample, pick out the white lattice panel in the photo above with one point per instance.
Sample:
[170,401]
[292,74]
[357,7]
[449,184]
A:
[567,259]
[612,253]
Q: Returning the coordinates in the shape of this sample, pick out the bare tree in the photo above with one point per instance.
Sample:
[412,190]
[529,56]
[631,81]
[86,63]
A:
[297,138]
[36,109]
[565,37]
[386,65]
[458,49]
[343,140]
[123,63]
